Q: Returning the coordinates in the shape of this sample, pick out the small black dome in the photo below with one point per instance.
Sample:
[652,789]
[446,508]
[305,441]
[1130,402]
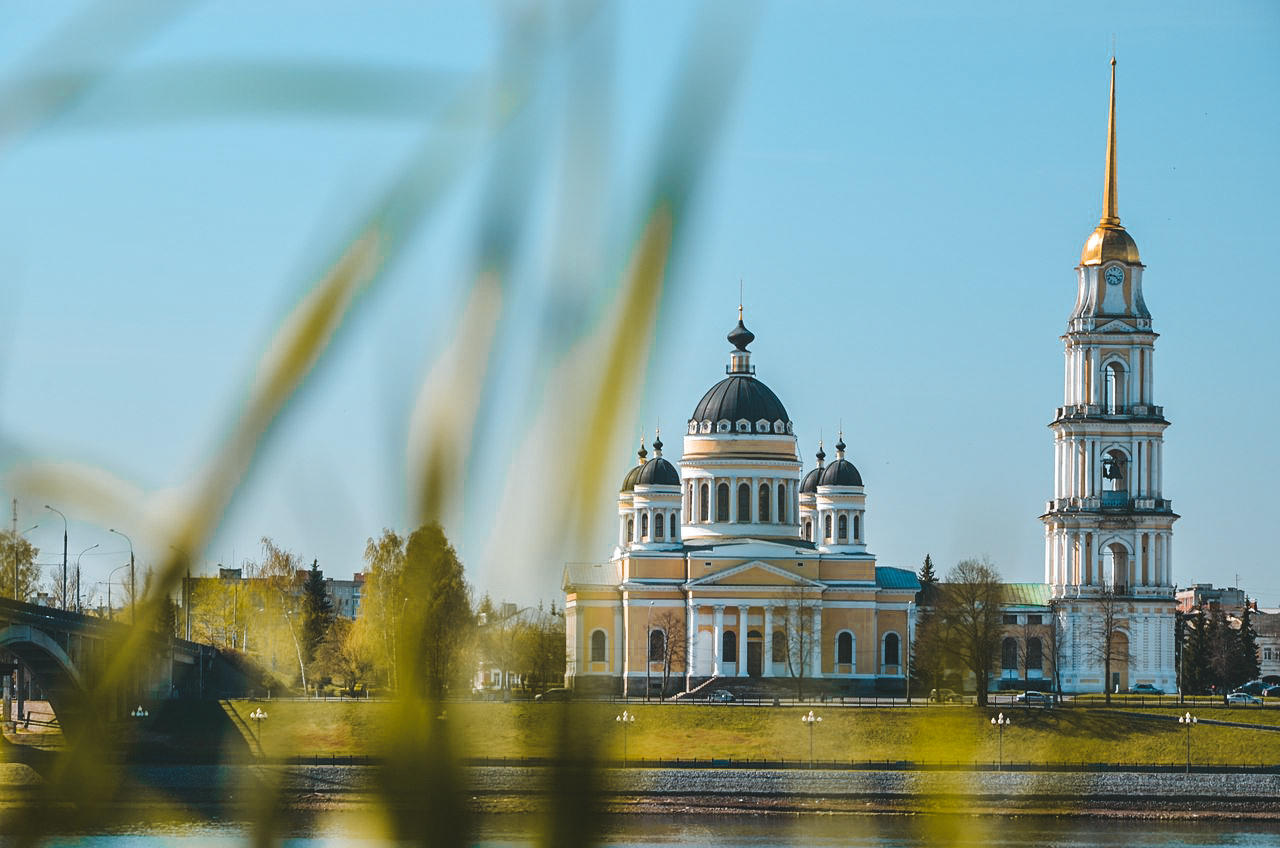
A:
[740,336]
[657,472]
[840,473]
[629,482]
[738,397]
[810,482]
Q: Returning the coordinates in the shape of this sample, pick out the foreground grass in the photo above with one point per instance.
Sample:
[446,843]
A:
[938,734]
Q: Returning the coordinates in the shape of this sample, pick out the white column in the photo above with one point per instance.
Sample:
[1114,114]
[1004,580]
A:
[742,640]
[691,641]
[717,642]
[619,639]
[766,658]
[817,642]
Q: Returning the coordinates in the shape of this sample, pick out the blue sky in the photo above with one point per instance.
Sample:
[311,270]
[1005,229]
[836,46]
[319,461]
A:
[901,190]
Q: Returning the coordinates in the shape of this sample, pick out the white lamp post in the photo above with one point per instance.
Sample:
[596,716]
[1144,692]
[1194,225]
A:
[811,719]
[1000,722]
[259,715]
[625,719]
[1188,720]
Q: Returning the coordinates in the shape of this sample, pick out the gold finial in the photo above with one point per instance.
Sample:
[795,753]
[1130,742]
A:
[1110,208]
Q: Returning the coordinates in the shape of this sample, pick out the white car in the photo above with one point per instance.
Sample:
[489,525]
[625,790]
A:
[1243,698]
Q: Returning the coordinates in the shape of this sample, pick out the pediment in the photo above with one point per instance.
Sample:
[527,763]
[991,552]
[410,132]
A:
[755,573]
[1115,327]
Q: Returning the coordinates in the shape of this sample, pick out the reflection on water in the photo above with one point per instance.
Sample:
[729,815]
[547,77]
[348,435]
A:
[870,831]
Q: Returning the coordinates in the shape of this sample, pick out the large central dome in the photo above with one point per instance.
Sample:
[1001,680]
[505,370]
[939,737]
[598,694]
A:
[740,403]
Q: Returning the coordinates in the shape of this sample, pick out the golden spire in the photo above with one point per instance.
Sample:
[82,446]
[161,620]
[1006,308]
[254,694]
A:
[1110,210]
[1109,241]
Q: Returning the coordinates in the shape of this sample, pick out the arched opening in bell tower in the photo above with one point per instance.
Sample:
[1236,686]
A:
[1114,387]
[1116,568]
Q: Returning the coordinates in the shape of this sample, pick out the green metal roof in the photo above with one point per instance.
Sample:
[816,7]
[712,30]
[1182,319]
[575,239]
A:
[896,578]
[1026,594]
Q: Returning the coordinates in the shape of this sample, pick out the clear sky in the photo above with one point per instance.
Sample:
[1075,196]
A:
[900,189]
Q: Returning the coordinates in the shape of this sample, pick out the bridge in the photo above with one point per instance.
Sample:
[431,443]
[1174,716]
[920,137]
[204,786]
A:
[78,662]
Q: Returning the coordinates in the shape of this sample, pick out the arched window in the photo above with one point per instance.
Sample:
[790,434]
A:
[644,526]
[599,647]
[842,528]
[857,527]
[808,529]
[722,502]
[729,647]
[1009,653]
[1113,385]
[1035,654]
[778,651]
[763,506]
[704,502]
[844,648]
[782,504]
[658,525]
[891,649]
[744,502]
[1116,568]
[657,645]
[674,535]
[826,527]
[631,530]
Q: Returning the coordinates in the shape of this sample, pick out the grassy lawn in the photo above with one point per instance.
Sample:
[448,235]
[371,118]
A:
[935,734]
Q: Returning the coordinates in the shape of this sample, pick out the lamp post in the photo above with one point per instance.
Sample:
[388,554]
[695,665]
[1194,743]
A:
[64,554]
[82,553]
[1188,720]
[625,719]
[139,712]
[811,719]
[110,609]
[1000,722]
[259,715]
[133,584]
[16,547]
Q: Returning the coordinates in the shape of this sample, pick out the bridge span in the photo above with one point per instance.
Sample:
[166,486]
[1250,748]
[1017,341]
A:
[81,664]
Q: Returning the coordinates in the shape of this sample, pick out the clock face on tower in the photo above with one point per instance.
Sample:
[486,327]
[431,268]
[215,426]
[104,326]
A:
[1115,275]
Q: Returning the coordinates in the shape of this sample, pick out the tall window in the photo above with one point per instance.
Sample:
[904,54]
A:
[599,647]
[826,528]
[729,647]
[779,649]
[1009,653]
[844,648]
[891,649]
[722,502]
[704,502]
[657,525]
[764,504]
[782,504]
[631,530]
[657,645]
[674,534]
[1035,654]
[744,502]
[644,526]
[1114,386]
[857,528]
[842,527]
[808,529]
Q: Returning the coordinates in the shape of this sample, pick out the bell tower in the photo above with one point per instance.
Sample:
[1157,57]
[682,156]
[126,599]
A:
[1109,526]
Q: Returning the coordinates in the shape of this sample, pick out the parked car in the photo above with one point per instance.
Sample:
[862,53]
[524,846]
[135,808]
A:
[1042,698]
[1272,691]
[560,694]
[1253,687]
[943,696]
[1243,698]
[1145,689]
[722,695]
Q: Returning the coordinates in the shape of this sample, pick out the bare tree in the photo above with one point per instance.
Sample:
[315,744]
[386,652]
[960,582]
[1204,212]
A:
[799,635]
[970,605]
[674,648]
[1108,648]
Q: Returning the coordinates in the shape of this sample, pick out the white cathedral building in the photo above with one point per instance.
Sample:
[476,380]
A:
[724,550]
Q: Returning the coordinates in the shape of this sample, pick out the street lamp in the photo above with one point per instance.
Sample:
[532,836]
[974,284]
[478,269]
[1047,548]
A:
[1000,722]
[133,584]
[625,719]
[811,719]
[82,553]
[1188,720]
[64,554]
[259,715]
[110,608]
[139,712]
[16,546]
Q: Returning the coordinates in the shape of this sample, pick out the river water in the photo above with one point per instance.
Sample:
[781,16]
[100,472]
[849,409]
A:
[858,831]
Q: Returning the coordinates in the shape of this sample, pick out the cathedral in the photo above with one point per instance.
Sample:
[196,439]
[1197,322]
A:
[731,566]
[734,568]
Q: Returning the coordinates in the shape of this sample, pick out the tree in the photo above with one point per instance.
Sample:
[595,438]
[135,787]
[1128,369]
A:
[540,648]
[927,575]
[799,636]
[1248,666]
[1221,642]
[18,555]
[317,611]
[436,629]
[1111,647]
[674,645]
[970,604]
[1195,654]
[929,653]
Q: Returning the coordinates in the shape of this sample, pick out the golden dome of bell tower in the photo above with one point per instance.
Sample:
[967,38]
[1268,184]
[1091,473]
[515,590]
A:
[1109,240]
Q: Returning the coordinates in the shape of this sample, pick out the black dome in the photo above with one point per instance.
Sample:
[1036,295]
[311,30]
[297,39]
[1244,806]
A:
[629,482]
[738,397]
[810,482]
[656,472]
[840,473]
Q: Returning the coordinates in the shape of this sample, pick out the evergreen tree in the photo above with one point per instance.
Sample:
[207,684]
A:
[1246,666]
[1195,654]
[317,611]
[928,576]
